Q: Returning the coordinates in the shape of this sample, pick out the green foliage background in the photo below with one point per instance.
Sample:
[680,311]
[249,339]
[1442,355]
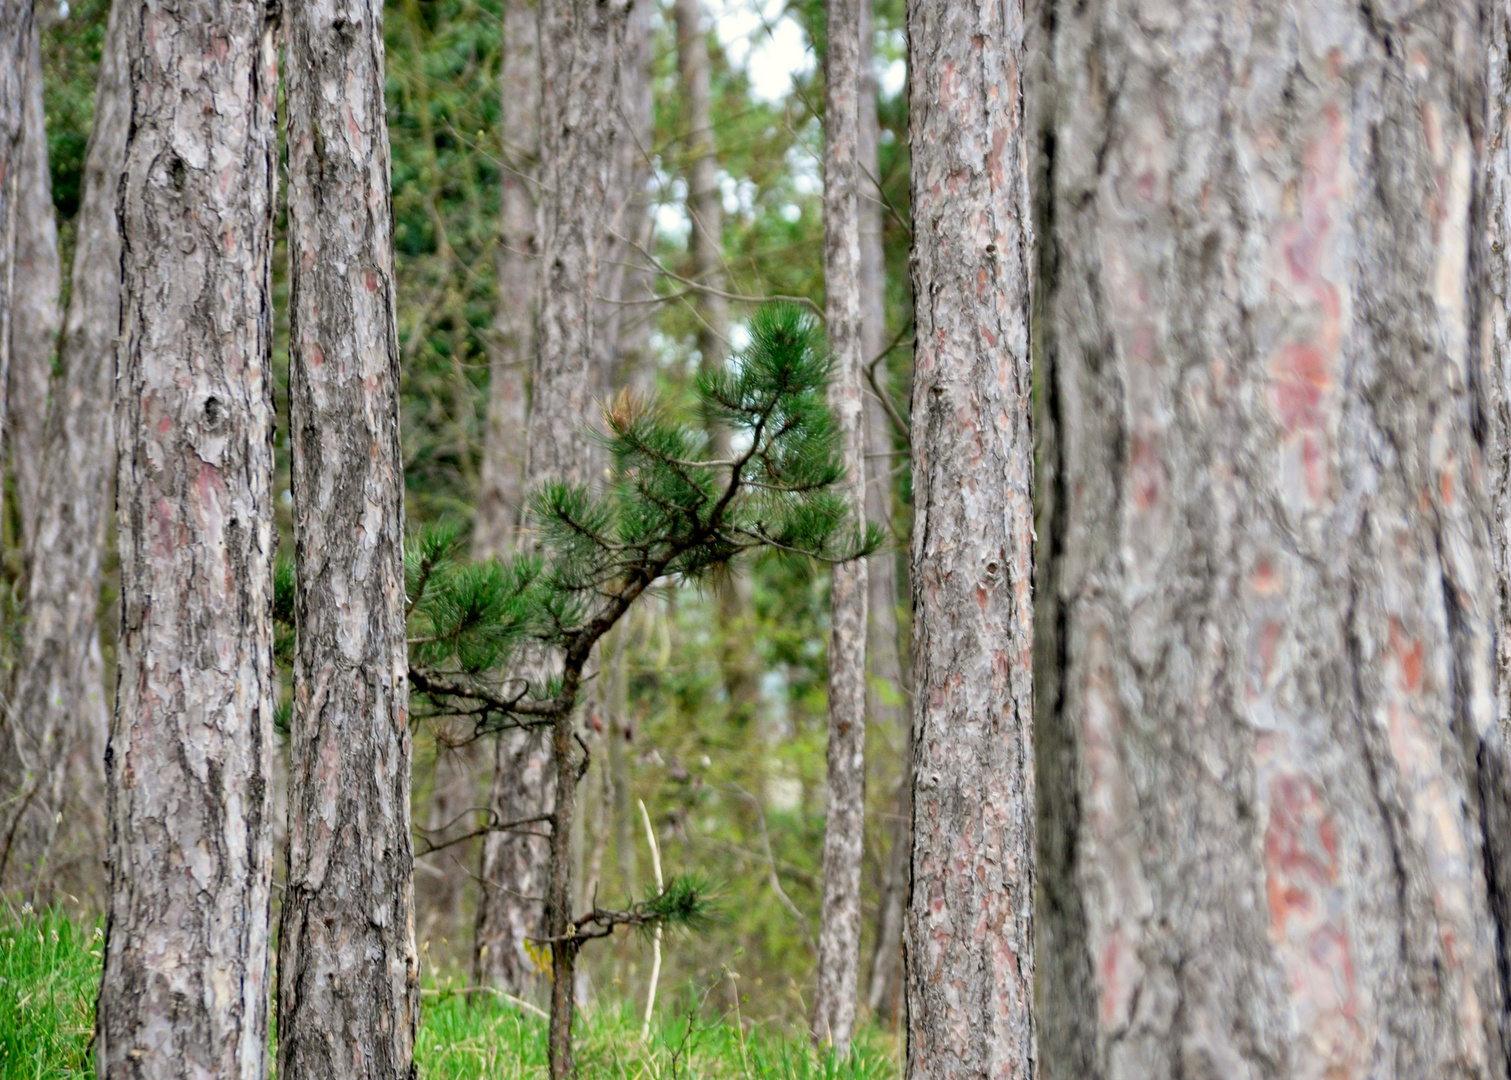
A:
[740,801]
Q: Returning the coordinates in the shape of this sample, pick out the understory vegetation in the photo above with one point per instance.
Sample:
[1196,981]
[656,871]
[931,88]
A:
[50,969]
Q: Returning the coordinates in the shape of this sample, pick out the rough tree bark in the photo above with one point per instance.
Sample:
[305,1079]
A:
[582,44]
[582,68]
[348,973]
[36,315]
[516,266]
[16,29]
[886,684]
[1270,790]
[59,689]
[969,934]
[189,846]
[705,209]
[844,829]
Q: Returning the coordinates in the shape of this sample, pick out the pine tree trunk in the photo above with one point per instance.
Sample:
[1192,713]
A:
[516,265]
[16,29]
[1270,767]
[348,973]
[885,683]
[32,751]
[969,934]
[705,209]
[60,684]
[36,315]
[184,992]
[844,830]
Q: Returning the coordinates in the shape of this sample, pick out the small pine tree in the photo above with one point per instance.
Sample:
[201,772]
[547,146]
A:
[669,512]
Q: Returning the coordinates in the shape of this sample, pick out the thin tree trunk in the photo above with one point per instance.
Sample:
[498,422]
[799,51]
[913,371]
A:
[516,266]
[1269,566]
[36,315]
[705,208]
[184,992]
[59,691]
[621,734]
[582,46]
[844,829]
[348,973]
[886,683]
[969,934]
[32,752]
[16,29]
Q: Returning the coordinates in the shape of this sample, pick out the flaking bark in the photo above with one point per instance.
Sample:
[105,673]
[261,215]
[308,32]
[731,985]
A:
[1271,747]
[348,973]
[844,828]
[189,847]
[16,29]
[969,933]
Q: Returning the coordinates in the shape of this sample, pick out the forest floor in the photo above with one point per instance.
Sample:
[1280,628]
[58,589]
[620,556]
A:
[50,968]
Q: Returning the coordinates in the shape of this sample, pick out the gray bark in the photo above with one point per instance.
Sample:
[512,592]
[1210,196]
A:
[189,847]
[16,29]
[526,883]
[348,973]
[58,698]
[705,209]
[886,685]
[36,315]
[969,934]
[1270,813]
[844,829]
[516,266]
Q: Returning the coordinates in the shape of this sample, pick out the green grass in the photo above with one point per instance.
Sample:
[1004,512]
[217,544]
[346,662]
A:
[49,970]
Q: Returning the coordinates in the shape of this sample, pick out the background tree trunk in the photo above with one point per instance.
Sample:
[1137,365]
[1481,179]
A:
[60,687]
[1268,566]
[844,828]
[348,973]
[516,265]
[16,30]
[582,45]
[886,684]
[969,939]
[705,209]
[184,992]
[36,315]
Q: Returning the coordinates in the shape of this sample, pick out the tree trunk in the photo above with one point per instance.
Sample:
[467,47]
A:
[60,686]
[516,265]
[36,315]
[32,752]
[184,991]
[844,829]
[348,973]
[705,208]
[16,30]
[886,684]
[969,934]
[1269,558]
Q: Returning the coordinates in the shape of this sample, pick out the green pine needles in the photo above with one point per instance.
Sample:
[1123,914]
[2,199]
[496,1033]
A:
[504,644]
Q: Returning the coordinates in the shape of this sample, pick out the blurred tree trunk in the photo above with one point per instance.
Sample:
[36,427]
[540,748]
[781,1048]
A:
[705,209]
[1273,784]
[60,686]
[36,315]
[969,934]
[886,684]
[516,266]
[348,973]
[844,830]
[16,30]
[189,852]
